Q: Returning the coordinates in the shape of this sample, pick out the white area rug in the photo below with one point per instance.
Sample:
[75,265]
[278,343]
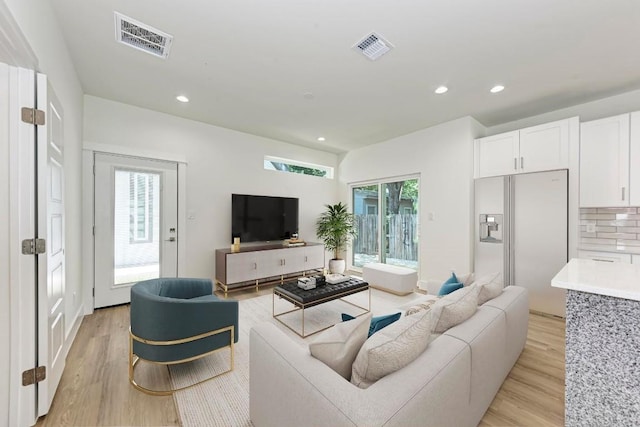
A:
[224,401]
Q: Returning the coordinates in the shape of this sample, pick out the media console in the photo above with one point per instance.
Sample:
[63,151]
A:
[260,265]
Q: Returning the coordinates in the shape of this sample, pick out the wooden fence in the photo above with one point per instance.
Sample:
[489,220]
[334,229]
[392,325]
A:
[401,237]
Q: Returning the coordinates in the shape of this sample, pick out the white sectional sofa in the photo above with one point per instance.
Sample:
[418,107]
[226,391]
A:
[452,383]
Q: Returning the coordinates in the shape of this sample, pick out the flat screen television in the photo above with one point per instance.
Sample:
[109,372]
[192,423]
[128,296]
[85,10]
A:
[263,218]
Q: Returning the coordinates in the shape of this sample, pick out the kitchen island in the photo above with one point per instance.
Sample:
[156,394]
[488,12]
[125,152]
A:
[602,383]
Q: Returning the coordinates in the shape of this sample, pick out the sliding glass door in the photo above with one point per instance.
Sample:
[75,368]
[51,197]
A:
[386,214]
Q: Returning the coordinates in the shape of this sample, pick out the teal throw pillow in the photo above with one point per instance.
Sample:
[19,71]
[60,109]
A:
[447,288]
[452,279]
[377,322]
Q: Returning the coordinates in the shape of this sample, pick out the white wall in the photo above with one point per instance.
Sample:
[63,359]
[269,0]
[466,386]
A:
[39,24]
[443,156]
[606,107]
[220,162]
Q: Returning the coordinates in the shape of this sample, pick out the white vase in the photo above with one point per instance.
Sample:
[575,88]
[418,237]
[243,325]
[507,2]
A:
[337,266]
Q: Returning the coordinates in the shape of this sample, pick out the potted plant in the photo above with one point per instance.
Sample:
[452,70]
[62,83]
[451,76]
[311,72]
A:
[336,227]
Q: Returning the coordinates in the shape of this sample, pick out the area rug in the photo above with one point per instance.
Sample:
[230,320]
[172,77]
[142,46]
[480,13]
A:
[224,401]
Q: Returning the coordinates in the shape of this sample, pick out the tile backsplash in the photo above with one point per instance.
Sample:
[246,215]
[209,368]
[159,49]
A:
[615,227]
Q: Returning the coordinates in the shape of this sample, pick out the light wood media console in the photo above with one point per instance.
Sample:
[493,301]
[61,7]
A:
[261,265]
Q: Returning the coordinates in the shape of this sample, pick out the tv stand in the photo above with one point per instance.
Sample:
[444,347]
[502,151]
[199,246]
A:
[261,265]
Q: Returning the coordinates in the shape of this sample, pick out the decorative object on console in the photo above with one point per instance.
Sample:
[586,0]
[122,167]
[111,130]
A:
[336,227]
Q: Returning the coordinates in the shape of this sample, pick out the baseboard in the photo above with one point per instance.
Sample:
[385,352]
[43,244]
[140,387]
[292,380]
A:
[74,331]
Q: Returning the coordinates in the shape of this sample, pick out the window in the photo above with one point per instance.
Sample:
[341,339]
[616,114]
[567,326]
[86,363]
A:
[294,166]
[386,222]
[140,207]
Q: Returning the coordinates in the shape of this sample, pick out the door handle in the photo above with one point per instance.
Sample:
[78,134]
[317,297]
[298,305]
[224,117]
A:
[170,239]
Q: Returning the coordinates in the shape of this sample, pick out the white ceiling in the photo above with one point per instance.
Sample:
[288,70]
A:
[246,64]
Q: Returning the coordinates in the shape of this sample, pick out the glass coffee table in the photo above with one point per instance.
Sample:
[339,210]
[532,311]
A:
[304,299]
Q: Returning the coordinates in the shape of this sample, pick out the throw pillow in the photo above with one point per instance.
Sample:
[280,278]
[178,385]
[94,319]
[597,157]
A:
[489,287]
[391,349]
[466,279]
[452,279]
[447,288]
[338,347]
[419,307]
[377,322]
[454,308]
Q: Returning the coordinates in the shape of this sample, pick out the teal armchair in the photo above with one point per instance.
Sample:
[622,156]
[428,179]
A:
[177,320]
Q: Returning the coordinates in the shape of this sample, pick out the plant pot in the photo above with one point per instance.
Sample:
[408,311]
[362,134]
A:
[337,266]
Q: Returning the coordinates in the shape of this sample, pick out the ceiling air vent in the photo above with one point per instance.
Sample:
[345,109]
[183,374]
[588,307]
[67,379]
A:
[373,46]
[142,37]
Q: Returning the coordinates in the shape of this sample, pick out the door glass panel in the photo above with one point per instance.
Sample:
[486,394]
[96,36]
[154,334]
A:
[365,210]
[136,226]
[400,238]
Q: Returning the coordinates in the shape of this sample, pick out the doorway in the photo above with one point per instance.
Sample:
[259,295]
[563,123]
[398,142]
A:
[136,224]
[386,218]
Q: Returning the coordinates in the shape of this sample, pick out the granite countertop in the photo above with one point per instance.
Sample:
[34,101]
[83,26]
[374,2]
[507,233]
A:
[603,278]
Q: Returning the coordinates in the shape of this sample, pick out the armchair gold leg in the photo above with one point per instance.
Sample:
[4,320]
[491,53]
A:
[134,359]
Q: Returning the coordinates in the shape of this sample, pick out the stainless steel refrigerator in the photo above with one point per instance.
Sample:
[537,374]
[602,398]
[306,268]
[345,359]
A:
[522,232]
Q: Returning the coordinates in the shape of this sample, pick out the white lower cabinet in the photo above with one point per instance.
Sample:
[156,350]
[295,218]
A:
[606,256]
[635,259]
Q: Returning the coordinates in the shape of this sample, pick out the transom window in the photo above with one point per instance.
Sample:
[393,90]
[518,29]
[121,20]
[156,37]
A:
[294,166]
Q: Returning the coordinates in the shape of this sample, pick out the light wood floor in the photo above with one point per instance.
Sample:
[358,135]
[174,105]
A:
[95,391]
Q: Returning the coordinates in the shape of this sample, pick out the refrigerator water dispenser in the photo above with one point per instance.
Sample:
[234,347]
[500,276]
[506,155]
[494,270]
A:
[491,228]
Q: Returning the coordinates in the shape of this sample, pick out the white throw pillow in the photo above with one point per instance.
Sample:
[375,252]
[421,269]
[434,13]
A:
[466,279]
[338,347]
[489,287]
[391,349]
[454,308]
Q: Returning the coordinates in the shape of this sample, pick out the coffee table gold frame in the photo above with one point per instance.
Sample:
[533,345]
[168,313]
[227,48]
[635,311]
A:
[302,306]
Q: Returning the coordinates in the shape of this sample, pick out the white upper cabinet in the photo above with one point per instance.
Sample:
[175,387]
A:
[604,162]
[533,149]
[634,163]
[544,147]
[497,155]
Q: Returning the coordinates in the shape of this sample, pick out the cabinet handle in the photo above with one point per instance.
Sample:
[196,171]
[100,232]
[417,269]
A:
[521,162]
[602,260]
[305,258]
[515,163]
[255,265]
[622,193]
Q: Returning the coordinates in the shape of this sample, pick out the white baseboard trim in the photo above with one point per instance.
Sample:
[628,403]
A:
[68,342]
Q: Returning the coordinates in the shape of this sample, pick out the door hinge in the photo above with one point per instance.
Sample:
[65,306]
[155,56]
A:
[32,116]
[33,246]
[35,375]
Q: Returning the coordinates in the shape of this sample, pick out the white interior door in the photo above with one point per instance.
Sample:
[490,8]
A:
[51,264]
[136,224]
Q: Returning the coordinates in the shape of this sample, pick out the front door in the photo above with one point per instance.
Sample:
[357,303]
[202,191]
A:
[136,217]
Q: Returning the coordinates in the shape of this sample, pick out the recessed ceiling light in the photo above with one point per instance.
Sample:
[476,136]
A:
[497,88]
[441,89]
[321,138]
[182,98]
